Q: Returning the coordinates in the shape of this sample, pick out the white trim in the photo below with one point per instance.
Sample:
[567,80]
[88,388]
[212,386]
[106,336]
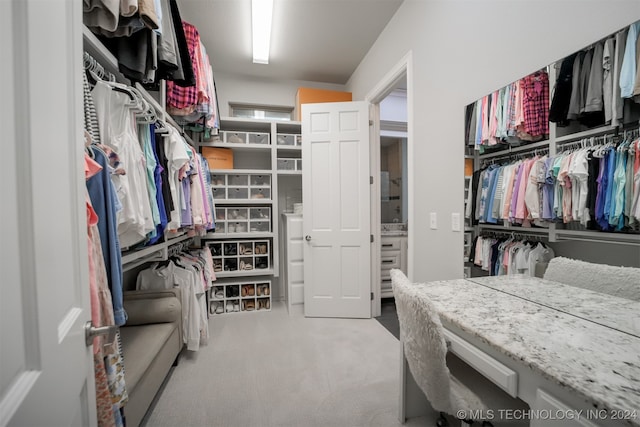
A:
[403,69]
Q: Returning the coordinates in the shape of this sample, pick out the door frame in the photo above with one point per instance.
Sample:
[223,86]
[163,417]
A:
[402,69]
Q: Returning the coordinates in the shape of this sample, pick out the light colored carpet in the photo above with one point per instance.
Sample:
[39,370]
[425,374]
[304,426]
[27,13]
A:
[273,369]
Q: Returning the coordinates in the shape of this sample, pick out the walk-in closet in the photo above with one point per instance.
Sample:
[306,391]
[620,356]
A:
[204,225]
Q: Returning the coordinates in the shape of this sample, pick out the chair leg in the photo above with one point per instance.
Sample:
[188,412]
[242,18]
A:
[442,421]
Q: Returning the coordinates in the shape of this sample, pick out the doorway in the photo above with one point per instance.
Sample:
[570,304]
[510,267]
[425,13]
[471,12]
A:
[391,148]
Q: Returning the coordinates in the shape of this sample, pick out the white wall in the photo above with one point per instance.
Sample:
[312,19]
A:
[461,51]
[246,90]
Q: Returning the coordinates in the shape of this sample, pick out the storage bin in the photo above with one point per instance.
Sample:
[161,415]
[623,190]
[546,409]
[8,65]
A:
[231,264]
[286,164]
[298,140]
[258,138]
[260,180]
[286,139]
[237,193]
[260,193]
[216,249]
[218,180]
[260,213]
[237,213]
[221,214]
[236,227]
[221,227]
[259,226]
[262,262]
[219,193]
[299,164]
[238,180]
[235,137]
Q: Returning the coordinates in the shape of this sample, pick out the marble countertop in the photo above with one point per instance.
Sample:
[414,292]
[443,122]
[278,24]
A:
[607,310]
[600,363]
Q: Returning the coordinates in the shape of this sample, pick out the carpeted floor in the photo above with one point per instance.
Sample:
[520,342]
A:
[276,369]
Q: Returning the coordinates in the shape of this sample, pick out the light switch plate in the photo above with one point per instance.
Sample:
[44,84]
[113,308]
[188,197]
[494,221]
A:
[433,221]
[455,221]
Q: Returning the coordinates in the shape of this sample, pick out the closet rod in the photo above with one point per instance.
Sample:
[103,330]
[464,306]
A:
[521,148]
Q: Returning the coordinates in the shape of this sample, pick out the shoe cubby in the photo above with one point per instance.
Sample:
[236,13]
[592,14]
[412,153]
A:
[240,297]
[240,256]
[241,186]
[238,220]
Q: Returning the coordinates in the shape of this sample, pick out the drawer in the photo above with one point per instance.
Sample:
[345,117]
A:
[260,180]
[220,214]
[237,213]
[219,193]
[221,227]
[237,227]
[390,244]
[218,180]
[286,164]
[235,137]
[239,179]
[258,138]
[286,139]
[498,373]
[260,213]
[260,193]
[390,260]
[260,226]
[385,284]
[237,193]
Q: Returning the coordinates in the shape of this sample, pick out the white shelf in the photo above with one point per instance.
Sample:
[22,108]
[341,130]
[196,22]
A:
[285,172]
[234,146]
[244,273]
[94,47]
[241,171]
[150,253]
[586,134]
[243,201]
[520,230]
[238,235]
[510,150]
[600,236]
[289,147]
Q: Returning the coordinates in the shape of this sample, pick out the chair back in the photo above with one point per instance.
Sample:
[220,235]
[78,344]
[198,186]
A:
[422,335]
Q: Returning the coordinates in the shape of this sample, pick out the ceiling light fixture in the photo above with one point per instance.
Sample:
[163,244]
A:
[261,15]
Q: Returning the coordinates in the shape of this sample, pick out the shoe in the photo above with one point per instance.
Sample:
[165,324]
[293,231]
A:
[246,266]
[219,293]
[229,307]
[244,291]
[266,290]
[236,306]
[235,139]
[251,290]
[267,304]
[250,305]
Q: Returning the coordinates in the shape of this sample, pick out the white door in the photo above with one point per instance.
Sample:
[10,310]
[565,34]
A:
[46,370]
[336,221]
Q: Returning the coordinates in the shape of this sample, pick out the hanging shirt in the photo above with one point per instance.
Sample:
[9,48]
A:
[628,70]
[536,104]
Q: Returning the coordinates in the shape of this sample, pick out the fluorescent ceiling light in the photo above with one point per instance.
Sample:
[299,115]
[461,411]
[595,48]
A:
[261,14]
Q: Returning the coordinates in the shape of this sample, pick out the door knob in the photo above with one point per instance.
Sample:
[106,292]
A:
[91,331]
[307,238]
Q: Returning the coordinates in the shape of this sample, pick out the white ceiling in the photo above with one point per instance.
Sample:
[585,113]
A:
[313,40]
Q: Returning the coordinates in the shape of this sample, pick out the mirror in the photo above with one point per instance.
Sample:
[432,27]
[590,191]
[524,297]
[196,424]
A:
[393,185]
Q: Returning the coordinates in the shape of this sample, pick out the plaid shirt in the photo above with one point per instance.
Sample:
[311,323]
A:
[536,103]
[183,97]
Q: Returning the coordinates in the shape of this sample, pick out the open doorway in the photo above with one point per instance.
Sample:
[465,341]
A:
[391,177]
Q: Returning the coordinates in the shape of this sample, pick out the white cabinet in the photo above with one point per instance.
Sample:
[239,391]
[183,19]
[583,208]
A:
[292,266]
[393,254]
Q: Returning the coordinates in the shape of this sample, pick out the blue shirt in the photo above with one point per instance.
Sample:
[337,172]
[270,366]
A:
[104,200]
[628,70]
